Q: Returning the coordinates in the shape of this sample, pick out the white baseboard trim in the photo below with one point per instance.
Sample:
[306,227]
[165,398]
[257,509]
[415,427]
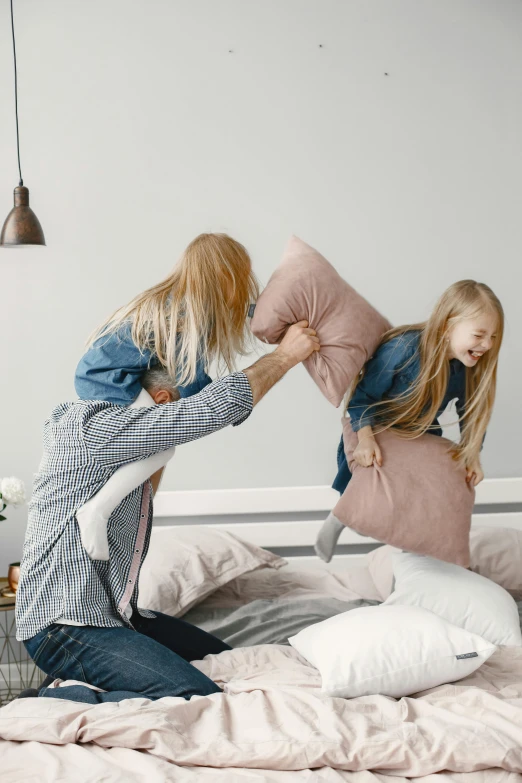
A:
[280,500]
[291,534]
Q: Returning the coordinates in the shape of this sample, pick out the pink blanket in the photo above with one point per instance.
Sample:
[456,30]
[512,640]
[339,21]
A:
[274,717]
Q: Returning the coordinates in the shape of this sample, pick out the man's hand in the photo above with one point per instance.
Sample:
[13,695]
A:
[298,344]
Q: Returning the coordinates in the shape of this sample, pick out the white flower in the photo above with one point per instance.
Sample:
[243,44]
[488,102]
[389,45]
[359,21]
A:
[13,490]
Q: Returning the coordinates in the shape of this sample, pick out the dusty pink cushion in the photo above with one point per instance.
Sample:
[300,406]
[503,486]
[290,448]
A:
[186,564]
[418,500]
[497,554]
[305,286]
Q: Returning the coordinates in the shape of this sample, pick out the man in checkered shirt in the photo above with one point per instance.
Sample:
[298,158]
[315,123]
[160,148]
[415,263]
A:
[79,617]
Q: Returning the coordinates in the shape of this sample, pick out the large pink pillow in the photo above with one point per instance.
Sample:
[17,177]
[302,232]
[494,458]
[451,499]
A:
[305,286]
[418,500]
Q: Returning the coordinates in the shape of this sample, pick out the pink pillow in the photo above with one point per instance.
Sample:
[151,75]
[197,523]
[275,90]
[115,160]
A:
[186,564]
[305,286]
[497,554]
[418,500]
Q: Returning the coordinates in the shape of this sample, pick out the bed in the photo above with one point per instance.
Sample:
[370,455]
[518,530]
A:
[272,723]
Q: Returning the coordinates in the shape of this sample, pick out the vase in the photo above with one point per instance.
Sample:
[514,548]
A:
[13,575]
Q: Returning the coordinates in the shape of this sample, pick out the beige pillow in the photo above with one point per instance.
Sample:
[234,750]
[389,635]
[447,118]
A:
[418,500]
[495,552]
[186,564]
[305,286]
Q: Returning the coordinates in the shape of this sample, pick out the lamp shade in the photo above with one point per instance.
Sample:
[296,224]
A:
[21,226]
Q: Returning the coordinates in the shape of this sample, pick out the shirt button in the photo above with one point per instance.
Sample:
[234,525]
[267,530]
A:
[137,551]
[130,581]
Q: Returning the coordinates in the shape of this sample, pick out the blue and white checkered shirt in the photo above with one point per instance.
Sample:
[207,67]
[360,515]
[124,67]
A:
[85,442]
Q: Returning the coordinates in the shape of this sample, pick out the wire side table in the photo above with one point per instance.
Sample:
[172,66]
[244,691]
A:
[17,670]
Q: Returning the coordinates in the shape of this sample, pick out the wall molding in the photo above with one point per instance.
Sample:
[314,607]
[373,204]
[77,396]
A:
[281,500]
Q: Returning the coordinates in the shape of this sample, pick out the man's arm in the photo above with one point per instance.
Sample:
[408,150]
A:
[297,345]
[116,436]
[265,373]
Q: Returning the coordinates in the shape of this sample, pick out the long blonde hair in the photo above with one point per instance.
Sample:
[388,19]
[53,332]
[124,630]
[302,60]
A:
[198,312]
[412,413]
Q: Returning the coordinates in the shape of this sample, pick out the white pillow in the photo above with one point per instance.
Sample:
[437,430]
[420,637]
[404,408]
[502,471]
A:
[380,566]
[459,596]
[495,552]
[389,650]
[186,564]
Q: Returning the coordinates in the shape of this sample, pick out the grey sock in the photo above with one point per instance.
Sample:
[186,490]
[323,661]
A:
[327,537]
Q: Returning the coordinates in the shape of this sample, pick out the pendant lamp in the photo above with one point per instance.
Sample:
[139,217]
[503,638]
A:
[21,227]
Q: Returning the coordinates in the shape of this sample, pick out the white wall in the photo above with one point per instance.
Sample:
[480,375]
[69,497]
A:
[140,129]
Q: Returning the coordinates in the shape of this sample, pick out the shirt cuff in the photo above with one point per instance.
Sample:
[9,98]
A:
[358,424]
[241,393]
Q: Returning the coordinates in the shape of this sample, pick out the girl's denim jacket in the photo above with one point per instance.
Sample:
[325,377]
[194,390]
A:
[390,372]
[112,368]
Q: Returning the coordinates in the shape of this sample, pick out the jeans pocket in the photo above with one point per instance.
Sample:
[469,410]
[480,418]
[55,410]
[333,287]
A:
[37,645]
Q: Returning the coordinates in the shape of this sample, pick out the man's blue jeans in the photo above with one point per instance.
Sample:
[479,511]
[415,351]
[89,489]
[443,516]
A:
[151,661]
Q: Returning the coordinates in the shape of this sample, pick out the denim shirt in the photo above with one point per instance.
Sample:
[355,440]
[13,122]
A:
[390,372]
[112,367]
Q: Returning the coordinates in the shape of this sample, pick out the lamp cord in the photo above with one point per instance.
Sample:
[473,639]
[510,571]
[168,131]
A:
[16,97]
